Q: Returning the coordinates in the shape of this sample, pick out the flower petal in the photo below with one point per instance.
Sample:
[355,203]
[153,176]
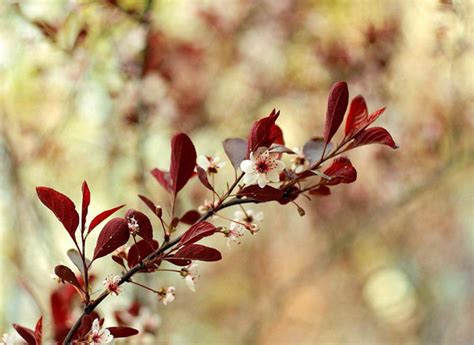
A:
[247,166]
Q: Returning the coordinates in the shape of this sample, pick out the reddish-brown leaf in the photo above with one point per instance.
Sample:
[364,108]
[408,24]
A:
[357,116]
[66,274]
[263,133]
[198,252]
[163,178]
[103,216]
[264,194]
[122,332]
[39,331]
[139,251]
[145,230]
[202,175]
[337,105]
[27,334]
[86,200]
[183,161]
[236,149]
[197,232]
[320,190]
[62,207]
[151,205]
[340,171]
[114,234]
[375,115]
[289,194]
[374,135]
[190,217]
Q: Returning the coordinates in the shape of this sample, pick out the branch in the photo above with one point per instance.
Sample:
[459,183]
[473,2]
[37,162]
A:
[141,265]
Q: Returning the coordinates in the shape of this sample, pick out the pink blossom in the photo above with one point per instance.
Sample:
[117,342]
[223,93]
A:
[112,285]
[98,335]
[263,167]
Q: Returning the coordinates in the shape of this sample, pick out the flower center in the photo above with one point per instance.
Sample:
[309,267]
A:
[262,167]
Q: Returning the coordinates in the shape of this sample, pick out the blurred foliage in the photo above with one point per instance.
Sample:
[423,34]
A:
[94,90]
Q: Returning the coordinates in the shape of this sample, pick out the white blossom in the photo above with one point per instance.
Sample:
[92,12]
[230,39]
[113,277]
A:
[249,218]
[263,167]
[299,162]
[190,275]
[210,164]
[98,335]
[112,285]
[166,295]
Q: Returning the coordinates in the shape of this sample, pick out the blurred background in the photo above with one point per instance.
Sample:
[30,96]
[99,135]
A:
[94,90]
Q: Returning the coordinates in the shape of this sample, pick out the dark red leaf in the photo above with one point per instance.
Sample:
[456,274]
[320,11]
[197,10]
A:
[114,234]
[151,205]
[264,194]
[197,232]
[337,105]
[198,252]
[374,135]
[340,171]
[289,194]
[67,275]
[27,334]
[61,309]
[357,116]
[176,261]
[122,332]
[39,331]
[190,217]
[236,149]
[86,200]
[263,133]
[103,216]
[119,260]
[183,161]
[163,178]
[145,230]
[321,190]
[276,135]
[202,175]
[139,251]
[62,207]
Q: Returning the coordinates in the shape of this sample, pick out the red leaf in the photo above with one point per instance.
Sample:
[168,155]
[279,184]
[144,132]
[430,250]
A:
[163,178]
[67,275]
[374,135]
[321,190]
[198,252]
[145,230]
[202,175]
[61,309]
[263,133]
[340,171]
[39,331]
[183,161]
[337,105]
[151,205]
[103,216]
[276,135]
[375,115]
[261,194]
[357,116]
[86,200]
[197,232]
[114,234]
[236,149]
[139,251]
[122,332]
[289,194]
[27,334]
[119,260]
[190,217]
[62,207]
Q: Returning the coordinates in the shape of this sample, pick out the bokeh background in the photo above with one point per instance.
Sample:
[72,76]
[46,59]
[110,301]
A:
[92,90]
